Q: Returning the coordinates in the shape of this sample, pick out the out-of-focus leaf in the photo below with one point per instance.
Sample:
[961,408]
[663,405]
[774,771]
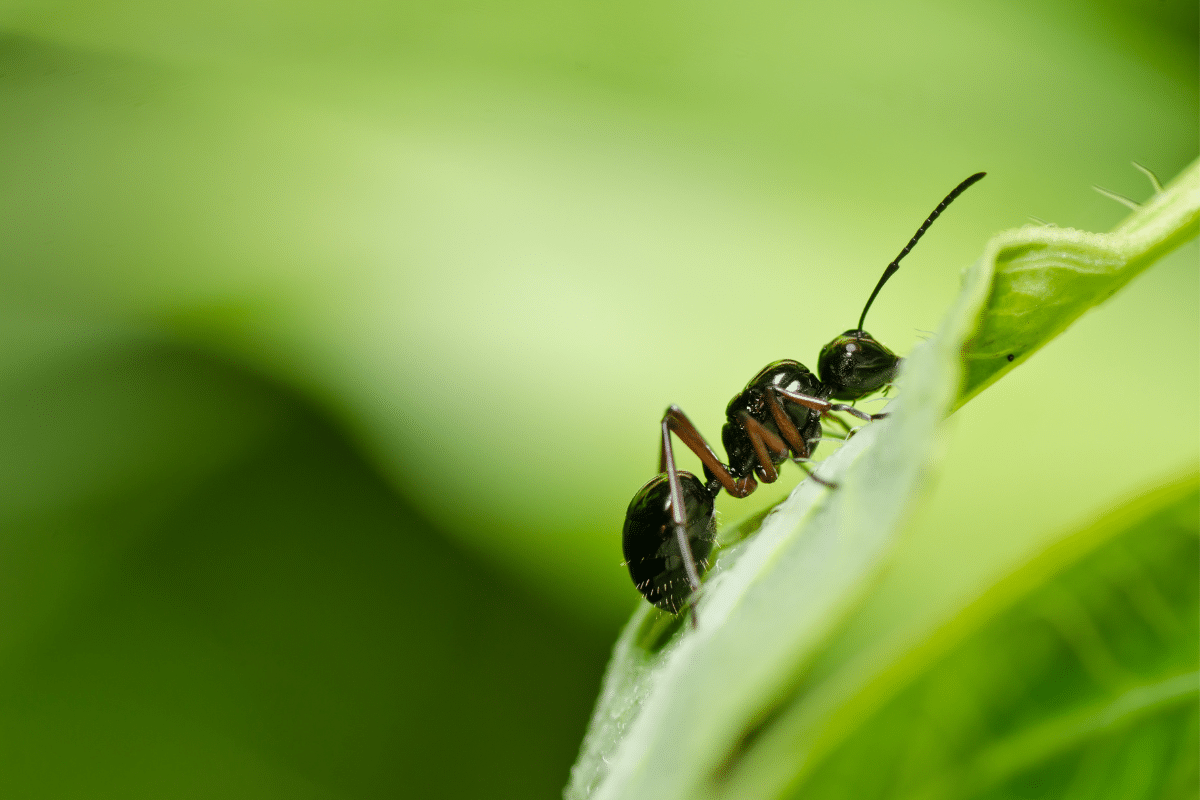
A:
[773,600]
[1045,278]
[1074,676]
[206,592]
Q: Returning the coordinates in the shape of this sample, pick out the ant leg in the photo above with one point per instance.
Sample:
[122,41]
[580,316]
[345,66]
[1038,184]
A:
[854,412]
[677,422]
[806,400]
[824,406]
[760,440]
[812,473]
[679,511]
[786,426]
[792,434]
[845,426]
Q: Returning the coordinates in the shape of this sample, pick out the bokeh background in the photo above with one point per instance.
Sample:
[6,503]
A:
[335,337]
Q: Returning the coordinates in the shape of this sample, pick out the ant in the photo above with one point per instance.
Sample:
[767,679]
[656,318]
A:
[670,526]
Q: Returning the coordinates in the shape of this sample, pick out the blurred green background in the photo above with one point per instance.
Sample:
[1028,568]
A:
[335,337]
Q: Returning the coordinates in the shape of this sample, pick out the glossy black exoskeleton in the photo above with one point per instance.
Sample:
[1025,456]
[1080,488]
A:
[856,365]
[653,551]
[670,524]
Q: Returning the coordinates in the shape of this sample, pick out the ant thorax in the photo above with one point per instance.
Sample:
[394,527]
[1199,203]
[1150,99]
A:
[791,376]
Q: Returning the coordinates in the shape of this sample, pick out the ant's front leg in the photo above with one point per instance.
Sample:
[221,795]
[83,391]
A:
[793,436]
[854,412]
[845,426]
[823,407]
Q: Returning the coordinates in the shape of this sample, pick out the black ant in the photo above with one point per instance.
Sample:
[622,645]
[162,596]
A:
[670,525]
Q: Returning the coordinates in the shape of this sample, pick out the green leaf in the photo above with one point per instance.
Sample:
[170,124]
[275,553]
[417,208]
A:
[1046,277]
[1078,669]
[683,708]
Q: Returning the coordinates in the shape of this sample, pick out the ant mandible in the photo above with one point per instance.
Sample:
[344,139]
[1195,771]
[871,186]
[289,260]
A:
[670,525]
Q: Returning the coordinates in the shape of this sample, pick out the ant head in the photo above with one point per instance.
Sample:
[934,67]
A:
[854,365]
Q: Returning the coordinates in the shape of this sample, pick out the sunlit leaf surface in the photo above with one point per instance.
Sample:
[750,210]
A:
[1045,278]
[1075,674]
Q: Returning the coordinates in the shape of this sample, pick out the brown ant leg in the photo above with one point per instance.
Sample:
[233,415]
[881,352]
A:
[786,426]
[760,440]
[824,406]
[793,437]
[677,422]
[808,401]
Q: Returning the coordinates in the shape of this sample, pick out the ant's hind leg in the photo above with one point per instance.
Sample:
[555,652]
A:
[678,510]
[675,421]
[679,517]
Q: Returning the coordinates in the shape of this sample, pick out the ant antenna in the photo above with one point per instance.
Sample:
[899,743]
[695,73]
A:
[895,265]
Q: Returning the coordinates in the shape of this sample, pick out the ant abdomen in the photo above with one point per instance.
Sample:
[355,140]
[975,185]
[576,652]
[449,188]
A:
[652,547]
